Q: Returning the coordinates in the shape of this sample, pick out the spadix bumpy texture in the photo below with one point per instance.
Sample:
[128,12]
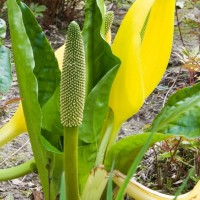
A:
[73,78]
[109,17]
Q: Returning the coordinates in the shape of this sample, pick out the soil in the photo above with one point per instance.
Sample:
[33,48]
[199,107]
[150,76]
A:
[19,150]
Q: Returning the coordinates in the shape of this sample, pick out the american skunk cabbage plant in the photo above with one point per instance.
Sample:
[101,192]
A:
[74,101]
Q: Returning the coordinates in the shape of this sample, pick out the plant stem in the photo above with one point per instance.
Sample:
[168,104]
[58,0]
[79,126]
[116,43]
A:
[176,148]
[18,171]
[179,29]
[96,184]
[103,145]
[71,162]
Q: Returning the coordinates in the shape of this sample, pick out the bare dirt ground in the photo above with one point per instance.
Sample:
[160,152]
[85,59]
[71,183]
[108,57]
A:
[19,150]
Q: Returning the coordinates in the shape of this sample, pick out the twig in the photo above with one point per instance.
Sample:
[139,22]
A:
[176,148]
[158,180]
[179,29]
[165,98]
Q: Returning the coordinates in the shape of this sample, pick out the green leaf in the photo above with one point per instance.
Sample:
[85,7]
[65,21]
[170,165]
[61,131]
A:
[89,133]
[101,69]
[31,52]
[109,194]
[5,70]
[46,66]
[48,146]
[2,28]
[86,161]
[62,188]
[96,109]
[40,8]
[52,129]
[181,115]
[24,62]
[99,58]
[126,150]
[48,79]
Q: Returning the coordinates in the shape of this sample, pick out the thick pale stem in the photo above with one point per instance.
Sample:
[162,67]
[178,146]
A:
[71,162]
[115,130]
[95,184]
[103,145]
[107,132]
[18,171]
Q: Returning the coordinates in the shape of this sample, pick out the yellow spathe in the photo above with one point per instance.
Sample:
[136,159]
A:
[127,92]
[59,53]
[143,60]
[14,127]
[157,43]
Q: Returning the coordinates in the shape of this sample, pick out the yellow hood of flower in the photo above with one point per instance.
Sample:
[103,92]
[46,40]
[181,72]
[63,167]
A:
[157,43]
[144,58]
[14,127]
[127,92]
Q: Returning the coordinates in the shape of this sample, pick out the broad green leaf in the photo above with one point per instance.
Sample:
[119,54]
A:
[99,61]
[28,86]
[46,66]
[86,161]
[52,129]
[181,115]
[62,188]
[5,70]
[89,133]
[96,109]
[24,62]
[2,28]
[109,193]
[99,58]
[48,146]
[48,78]
[125,151]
